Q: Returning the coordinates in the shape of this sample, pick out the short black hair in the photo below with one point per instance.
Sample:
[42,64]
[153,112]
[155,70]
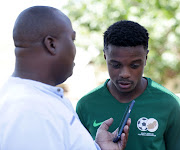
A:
[127,34]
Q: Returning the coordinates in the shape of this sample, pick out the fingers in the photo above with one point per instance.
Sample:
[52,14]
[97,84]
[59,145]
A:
[124,136]
[129,121]
[122,143]
[126,128]
[106,124]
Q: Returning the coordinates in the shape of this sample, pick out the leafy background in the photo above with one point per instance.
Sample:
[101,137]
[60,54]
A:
[90,18]
[161,18]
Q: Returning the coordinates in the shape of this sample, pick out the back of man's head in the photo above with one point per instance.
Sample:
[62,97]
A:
[33,24]
[44,48]
[126,34]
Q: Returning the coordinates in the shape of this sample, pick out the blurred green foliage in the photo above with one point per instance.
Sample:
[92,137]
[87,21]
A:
[161,18]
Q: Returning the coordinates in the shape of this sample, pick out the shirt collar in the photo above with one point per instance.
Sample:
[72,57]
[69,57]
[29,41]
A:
[42,86]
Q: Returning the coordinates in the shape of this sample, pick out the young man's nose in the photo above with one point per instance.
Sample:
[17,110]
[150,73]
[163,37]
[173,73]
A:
[124,73]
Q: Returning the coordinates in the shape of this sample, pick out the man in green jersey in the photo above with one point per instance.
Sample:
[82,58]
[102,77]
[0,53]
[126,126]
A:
[156,112]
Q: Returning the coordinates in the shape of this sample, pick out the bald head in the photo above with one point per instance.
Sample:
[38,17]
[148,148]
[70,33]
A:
[44,45]
[35,23]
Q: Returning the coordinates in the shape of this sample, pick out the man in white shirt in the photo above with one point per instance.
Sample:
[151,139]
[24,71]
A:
[34,114]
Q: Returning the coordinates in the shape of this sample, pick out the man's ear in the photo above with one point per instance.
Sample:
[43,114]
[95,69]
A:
[50,44]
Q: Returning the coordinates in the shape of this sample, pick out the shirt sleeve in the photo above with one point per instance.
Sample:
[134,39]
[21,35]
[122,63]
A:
[31,131]
[97,146]
[172,134]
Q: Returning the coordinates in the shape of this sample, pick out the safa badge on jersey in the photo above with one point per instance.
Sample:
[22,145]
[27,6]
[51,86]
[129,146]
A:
[147,126]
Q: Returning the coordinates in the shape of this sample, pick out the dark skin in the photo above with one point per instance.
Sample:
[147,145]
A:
[125,67]
[45,52]
[44,41]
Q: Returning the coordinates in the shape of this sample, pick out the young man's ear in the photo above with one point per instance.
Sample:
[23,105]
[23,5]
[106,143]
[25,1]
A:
[147,51]
[104,55]
[146,56]
[50,44]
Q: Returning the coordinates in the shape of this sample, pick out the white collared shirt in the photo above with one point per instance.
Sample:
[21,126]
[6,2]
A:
[36,116]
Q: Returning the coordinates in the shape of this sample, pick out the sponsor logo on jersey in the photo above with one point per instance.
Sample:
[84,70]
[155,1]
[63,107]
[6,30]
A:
[95,124]
[147,126]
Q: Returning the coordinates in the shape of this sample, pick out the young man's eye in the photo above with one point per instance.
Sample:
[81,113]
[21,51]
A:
[116,65]
[134,66]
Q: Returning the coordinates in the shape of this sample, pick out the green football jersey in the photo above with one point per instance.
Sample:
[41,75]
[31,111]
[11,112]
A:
[155,117]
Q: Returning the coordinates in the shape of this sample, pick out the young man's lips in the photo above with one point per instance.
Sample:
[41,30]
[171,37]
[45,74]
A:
[124,85]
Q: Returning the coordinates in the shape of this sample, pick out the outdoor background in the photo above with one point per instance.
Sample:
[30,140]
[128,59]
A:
[90,18]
